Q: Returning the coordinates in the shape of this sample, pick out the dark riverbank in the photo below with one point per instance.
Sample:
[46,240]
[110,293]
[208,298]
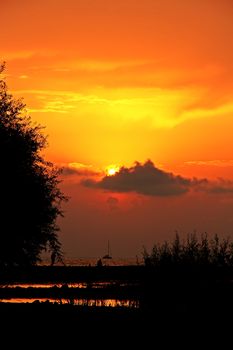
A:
[183,304]
[156,289]
[69,274]
[53,324]
[168,299]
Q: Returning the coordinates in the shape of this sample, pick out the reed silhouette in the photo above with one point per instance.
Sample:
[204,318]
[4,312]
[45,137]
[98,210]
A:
[189,281]
[191,252]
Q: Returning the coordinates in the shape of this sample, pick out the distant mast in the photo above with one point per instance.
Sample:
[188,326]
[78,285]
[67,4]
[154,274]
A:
[108,255]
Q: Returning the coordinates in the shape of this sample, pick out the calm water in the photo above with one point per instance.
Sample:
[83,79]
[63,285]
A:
[80,302]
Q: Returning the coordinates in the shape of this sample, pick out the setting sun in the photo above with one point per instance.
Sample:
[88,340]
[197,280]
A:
[112,170]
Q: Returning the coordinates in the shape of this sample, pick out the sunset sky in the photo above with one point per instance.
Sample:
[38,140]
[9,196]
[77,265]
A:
[140,87]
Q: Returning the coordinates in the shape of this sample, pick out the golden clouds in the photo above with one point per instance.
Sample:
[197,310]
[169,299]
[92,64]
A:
[124,80]
[161,107]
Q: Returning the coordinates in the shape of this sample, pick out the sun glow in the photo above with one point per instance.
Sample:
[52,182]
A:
[112,170]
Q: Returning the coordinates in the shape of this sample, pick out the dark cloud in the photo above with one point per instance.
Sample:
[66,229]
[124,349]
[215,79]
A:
[79,171]
[145,179]
[66,171]
[221,190]
[220,187]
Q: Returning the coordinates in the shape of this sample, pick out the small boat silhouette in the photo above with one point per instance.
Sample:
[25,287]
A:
[108,255]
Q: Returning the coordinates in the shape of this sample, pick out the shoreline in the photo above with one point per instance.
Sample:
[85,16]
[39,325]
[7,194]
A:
[66,274]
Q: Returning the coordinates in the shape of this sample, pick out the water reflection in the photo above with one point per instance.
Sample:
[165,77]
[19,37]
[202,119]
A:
[79,302]
[69,285]
[69,293]
[47,285]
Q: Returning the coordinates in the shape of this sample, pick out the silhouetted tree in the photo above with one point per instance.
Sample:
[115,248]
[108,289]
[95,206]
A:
[30,199]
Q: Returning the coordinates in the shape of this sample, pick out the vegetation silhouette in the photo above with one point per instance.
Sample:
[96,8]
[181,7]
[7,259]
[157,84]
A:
[191,252]
[189,280]
[30,196]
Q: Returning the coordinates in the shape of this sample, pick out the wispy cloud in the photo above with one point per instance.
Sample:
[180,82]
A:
[15,55]
[23,76]
[78,169]
[198,113]
[216,162]
[99,65]
[60,101]
[219,187]
[27,55]
[161,107]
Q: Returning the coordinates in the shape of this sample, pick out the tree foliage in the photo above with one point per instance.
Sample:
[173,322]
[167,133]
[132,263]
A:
[30,198]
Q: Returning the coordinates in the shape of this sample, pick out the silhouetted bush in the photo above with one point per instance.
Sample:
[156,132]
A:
[191,252]
[190,279]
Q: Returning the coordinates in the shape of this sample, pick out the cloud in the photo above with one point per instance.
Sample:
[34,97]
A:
[103,65]
[78,169]
[16,55]
[215,162]
[149,180]
[163,108]
[145,179]
[221,190]
[219,187]
[23,76]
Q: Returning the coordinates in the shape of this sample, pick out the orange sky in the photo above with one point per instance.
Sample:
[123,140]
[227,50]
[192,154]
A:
[116,82]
